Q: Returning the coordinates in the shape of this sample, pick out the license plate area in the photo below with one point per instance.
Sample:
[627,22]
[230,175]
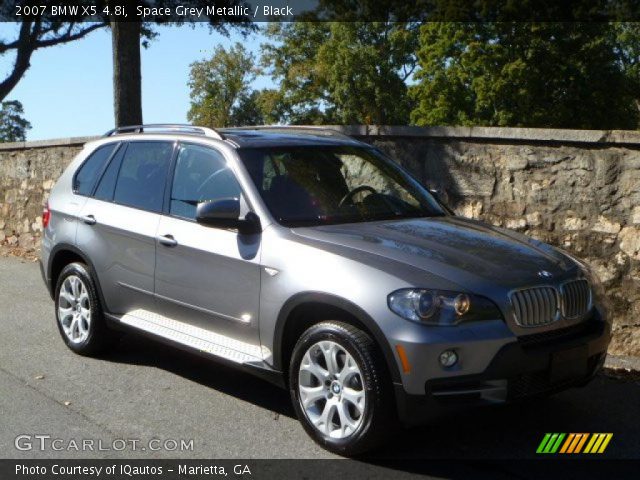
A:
[569,364]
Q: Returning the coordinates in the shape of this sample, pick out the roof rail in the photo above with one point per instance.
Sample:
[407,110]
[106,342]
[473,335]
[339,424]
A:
[166,127]
[311,129]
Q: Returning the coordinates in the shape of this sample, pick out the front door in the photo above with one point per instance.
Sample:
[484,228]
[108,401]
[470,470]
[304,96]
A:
[205,277]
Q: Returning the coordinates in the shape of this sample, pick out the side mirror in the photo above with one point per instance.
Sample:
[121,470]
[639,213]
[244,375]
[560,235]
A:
[225,213]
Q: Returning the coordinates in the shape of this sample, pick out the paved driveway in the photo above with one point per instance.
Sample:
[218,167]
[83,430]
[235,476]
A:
[145,391]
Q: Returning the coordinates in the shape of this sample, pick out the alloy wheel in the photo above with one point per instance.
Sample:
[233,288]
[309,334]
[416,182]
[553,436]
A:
[74,309]
[331,389]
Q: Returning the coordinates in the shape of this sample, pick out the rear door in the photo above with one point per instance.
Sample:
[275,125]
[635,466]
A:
[206,277]
[117,226]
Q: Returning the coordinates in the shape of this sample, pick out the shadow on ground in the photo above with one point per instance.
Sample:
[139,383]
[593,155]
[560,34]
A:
[138,350]
[514,431]
[490,433]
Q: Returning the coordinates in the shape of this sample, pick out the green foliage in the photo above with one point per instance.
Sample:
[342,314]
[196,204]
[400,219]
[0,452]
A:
[13,126]
[270,105]
[220,93]
[247,111]
[627,48]
[342,73]
[566,75]
[127,38]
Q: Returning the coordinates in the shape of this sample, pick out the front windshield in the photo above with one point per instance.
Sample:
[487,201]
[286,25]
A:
[320,185]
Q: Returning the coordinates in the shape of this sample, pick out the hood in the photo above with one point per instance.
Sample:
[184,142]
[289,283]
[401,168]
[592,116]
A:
[466,252]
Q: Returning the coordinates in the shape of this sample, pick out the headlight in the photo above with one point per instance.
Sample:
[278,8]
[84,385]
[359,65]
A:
[440,307]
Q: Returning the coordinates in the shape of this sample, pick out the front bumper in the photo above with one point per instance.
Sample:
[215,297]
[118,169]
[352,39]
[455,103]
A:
[537,364]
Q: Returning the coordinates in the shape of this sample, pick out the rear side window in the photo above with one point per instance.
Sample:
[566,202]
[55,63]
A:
[88,173]
[107,183]
[143,174]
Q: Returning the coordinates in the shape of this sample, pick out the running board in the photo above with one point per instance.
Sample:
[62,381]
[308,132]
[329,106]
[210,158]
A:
[194,337]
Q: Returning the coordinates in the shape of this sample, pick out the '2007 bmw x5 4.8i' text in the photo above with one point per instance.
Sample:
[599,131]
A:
[315,261]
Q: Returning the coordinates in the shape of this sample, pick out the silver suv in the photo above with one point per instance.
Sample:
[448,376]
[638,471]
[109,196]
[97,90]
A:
[313,260]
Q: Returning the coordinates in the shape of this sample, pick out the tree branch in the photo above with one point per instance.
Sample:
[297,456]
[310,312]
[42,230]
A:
[30,38]
[26,47]
[69,37]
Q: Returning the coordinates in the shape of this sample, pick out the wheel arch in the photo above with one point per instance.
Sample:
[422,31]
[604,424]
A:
[321,304]
[62,255]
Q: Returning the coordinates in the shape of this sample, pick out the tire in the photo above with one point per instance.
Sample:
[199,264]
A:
[79,315]
[354,416]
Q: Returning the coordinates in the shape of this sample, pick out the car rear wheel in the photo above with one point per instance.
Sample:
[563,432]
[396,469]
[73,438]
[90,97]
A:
[339,388]
[79,314]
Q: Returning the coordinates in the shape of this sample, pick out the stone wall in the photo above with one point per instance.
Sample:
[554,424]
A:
[579,190]
[28,170]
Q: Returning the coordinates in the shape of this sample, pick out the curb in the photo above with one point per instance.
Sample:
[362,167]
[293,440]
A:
[622,367]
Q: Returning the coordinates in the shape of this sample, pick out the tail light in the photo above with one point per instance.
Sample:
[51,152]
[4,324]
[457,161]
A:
[46,215]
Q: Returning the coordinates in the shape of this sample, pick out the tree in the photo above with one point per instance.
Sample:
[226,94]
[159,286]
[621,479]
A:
[220,89]
[13,127]
[127,80]
[270,105]
[627,46]
[339,72]
[34,33]
[127,38]
[522,74]
[248,110]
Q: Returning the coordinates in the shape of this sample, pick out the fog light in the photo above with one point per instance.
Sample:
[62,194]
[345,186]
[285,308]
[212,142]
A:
[448,358]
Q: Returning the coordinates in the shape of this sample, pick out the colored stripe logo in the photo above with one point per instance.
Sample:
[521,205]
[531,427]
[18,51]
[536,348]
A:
[574,443]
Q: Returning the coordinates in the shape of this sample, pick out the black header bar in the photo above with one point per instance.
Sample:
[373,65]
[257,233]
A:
[216,11]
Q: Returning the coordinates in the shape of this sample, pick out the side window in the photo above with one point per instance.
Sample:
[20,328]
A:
[88,173]
[143,174]
[107,183]
[201,174]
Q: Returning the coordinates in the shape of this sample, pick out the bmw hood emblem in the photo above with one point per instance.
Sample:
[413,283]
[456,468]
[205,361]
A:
[545,274]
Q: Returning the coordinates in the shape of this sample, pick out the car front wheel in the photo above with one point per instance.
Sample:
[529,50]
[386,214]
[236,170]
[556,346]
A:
[339,388]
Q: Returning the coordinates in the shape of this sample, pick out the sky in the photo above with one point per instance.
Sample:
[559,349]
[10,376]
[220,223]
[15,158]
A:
[68,91]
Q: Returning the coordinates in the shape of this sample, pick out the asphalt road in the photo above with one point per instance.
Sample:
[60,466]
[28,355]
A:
[145,391]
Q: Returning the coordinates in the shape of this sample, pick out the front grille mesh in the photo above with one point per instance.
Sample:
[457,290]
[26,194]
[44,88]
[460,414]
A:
[535,306]
[536,383]
[549,337]
[576,298]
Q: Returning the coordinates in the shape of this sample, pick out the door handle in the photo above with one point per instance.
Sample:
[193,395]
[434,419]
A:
[167,240]
[89,219]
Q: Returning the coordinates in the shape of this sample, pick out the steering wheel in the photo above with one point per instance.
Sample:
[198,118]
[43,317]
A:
[209,178]
[355,191]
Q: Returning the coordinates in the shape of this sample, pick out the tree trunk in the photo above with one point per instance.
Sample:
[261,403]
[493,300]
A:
[127,89]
